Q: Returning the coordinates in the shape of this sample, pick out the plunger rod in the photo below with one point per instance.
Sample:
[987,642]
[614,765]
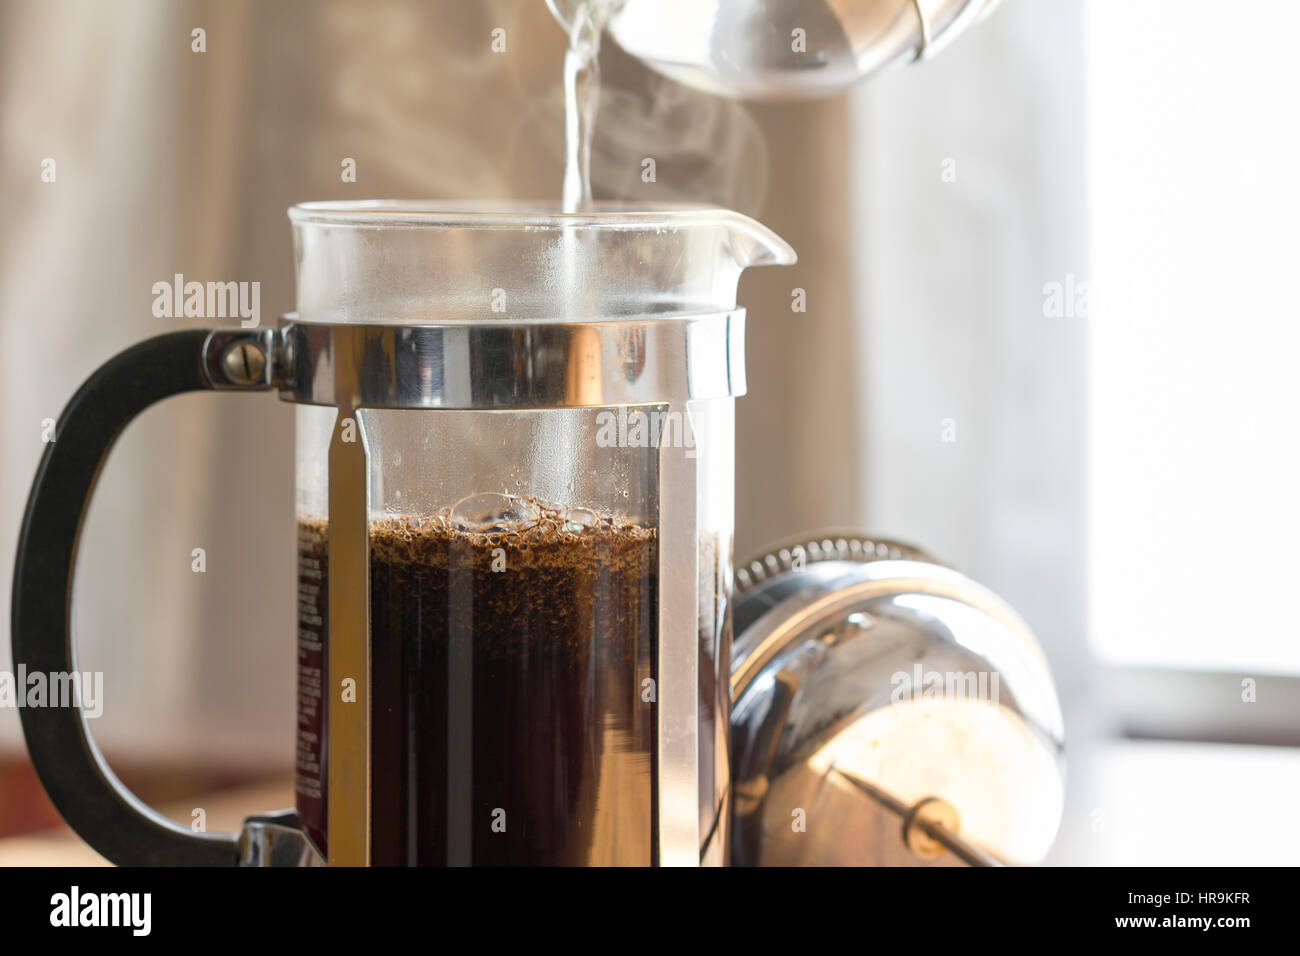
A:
[921,816]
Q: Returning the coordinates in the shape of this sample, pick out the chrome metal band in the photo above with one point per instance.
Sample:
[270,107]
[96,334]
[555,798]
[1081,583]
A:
[629,362]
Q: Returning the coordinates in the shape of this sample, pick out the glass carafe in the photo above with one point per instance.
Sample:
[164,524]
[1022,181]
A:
[515,508]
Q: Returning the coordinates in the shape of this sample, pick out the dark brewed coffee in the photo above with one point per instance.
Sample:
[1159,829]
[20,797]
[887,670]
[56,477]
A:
[513,714]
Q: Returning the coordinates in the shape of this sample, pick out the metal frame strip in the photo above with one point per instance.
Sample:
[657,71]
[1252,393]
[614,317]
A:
[348,633]
[678,681]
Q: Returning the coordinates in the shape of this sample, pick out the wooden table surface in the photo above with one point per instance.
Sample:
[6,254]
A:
[225,810]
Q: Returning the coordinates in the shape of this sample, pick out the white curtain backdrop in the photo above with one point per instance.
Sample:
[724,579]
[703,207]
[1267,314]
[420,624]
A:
[969,198]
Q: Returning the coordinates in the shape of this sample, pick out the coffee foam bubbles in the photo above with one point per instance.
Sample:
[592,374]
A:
[491,520]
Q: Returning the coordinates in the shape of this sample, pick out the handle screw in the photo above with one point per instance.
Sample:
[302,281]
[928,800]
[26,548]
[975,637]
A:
[244,363]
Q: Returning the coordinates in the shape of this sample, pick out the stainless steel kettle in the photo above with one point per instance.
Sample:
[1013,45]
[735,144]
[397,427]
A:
[776,49]
[887,710]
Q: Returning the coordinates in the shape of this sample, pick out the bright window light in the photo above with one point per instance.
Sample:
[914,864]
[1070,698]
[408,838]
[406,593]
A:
[1194,333]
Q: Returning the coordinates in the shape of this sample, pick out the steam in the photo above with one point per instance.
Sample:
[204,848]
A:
[705,148]
[417,95]
[426,107]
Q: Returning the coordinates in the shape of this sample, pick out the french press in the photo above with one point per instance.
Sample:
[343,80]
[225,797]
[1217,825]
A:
[515,469]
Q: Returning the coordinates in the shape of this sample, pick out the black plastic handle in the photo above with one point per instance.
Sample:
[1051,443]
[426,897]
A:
[81,785]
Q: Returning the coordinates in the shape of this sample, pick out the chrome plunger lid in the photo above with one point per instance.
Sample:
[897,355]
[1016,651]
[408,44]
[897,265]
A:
[888,711]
